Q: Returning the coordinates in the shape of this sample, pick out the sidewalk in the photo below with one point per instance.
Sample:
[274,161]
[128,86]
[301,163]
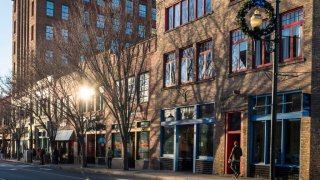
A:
[144,174]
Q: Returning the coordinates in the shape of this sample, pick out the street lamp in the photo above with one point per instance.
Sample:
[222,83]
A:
[256,22]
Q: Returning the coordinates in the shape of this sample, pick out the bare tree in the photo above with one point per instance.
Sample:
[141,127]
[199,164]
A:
[105,46]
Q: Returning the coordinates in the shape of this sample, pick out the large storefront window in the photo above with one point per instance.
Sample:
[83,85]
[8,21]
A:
[168,136]
[116,145]
[205,145]
[292,142]
[206,111]
[259,142]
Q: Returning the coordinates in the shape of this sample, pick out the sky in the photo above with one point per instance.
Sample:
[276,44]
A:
[5,37]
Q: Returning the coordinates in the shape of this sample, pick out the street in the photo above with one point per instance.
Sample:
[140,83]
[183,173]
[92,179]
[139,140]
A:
[16,171]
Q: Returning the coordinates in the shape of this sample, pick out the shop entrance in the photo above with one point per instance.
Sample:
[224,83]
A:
[186,141]
[233,133]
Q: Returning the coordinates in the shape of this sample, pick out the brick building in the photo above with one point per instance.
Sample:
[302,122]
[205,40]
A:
[214,88]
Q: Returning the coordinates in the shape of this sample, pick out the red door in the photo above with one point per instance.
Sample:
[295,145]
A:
[233,133]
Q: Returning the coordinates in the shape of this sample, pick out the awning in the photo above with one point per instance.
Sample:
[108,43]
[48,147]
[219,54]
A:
[64,135]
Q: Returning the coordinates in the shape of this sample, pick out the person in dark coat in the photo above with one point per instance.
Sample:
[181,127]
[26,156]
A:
[234,159]
[61,152]
[110,156]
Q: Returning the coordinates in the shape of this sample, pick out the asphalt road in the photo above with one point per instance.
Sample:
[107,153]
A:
[17,171]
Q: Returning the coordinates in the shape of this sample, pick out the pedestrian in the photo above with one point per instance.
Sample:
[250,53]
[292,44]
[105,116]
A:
[34,153]
[234,159]
[110,156]
[42,152]
[4,151]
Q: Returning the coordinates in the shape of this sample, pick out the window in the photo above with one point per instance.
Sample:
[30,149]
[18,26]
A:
[100,43]
[86,18]
[169,115]
[205,145]
[115,24]
[239,51]
[199,8]
[85,39]
[129,7]
[142,10]
[100,3]
[191,10]
[153,31]
[100,21]
[116,145]
[144,87]
[177,15]
[168,140]
[187,113]
[205,61]
[262,54]
[234,121]
[170,70]
[208,6]
[259,142]
[65,12]
[14,27]
[32,8]
[291,35]
[49,56]
[287,136]
[184,14]
[114,46]
[99,102]
[186,65]
[154,13]
[50,9]
[206,110]
[115,4]
[100,145]
[32,33]
[169,18]
[141,31]
[129,27]
[49,32]
[86,1]
[65,34]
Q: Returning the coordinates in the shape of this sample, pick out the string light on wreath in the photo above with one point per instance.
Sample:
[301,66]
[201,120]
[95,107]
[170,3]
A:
[256,33]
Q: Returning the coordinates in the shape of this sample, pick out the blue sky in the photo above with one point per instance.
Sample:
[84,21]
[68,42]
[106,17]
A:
[5,37]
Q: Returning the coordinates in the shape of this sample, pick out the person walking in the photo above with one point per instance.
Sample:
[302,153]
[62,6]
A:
[234,159]
[110,156]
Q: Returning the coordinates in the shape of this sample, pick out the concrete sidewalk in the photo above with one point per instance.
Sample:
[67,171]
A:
[144,174]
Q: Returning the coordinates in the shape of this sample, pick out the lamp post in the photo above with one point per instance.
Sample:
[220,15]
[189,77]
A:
[256,21]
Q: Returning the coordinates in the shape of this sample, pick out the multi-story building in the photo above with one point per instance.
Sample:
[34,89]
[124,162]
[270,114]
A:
[213,87]
[34,24]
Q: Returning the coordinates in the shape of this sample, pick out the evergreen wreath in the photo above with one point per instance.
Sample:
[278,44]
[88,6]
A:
[256,33]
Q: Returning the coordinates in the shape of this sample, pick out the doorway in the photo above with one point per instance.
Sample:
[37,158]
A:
[233,133]
[186,141]
[131,150]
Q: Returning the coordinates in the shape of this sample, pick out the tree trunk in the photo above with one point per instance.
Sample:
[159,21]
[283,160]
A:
[18,149]
[83,153]
[125,154]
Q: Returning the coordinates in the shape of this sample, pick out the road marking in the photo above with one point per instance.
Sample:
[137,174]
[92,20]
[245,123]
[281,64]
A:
[123,179]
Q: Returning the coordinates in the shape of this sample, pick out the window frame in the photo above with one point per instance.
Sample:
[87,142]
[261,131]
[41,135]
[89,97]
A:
[233,42]
[142,10]
[100,21]
[170,63]
[49,9]
[144,87]
[291,27]
[65,12]
[187,59]
[205,59]
[49,32]
[141,31]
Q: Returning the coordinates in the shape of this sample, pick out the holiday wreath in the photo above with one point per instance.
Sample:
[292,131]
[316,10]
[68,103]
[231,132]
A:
[256,33]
